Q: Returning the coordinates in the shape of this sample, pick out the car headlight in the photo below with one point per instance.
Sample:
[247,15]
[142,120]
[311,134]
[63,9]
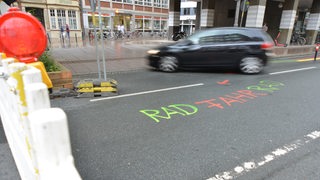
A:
[153,51]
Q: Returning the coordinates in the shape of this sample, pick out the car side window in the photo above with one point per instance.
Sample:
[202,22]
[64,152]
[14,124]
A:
[235,37]
[254,36]
[226,36]
[212,39]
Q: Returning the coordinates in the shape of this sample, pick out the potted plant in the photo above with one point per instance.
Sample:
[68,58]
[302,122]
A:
[60,76]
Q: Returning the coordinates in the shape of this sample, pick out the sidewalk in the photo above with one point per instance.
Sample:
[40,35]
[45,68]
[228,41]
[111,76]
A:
[120,56]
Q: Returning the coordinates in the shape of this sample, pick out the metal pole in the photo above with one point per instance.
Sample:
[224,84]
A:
[243,8]
[236,19]
[102,42]
[96,43]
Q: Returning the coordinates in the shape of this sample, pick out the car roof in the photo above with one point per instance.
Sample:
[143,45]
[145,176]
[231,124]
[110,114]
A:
[237,28]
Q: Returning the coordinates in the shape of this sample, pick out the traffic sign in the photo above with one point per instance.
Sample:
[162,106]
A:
[244,6]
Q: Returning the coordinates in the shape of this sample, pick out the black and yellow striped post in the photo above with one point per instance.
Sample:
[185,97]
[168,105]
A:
[93,88]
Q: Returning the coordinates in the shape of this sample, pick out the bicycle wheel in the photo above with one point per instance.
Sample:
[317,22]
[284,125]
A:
[301,41]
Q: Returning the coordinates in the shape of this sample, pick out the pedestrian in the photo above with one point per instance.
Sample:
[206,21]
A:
[122,29]
[265,27]
[90,36]
[119,28]
[68,31]
[61,31]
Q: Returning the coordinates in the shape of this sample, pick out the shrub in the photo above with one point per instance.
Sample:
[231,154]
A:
[49,62]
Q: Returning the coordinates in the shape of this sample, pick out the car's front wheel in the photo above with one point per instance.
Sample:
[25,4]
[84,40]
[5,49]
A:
[251,65]
[168,64]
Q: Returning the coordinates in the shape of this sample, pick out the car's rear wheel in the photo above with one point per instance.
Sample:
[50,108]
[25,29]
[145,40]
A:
[251,65]
[168,64]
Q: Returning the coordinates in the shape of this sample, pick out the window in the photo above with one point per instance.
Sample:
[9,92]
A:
[117,0]
[236,37]
[138,24]
[61,18]
[211,39]
[202,35]
[72,19]
[165,3]
[193,11]
[156,24]
[53,24]
[147,3]
[139,2]
[223,37]
[157,3]
[127,1]
[164,25]
[185,11]
[147,24]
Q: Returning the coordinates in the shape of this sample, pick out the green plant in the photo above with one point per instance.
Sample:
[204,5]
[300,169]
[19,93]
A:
[49,62]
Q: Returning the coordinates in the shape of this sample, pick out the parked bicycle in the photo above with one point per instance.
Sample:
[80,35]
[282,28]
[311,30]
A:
[135,34]
[119,35]
[108,34]
[179,35]
[298,39]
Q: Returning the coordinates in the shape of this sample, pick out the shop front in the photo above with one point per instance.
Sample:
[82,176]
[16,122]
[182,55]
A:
[112,22]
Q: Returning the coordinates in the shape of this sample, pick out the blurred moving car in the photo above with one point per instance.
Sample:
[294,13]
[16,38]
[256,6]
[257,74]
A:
[246,49]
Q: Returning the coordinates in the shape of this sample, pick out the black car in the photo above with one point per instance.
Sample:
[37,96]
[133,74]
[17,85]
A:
[246,49]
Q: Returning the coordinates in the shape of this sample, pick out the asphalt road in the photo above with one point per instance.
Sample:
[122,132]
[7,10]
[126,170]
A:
[200,125]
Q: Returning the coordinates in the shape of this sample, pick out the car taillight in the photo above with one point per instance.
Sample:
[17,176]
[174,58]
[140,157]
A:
[266,46]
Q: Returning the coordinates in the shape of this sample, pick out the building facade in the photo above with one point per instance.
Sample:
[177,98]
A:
[188,16]
[55,15]
[287,16]
[136,15]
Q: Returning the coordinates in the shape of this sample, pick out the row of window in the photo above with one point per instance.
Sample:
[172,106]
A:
[129,25]
[155,3]
[59,18]
[188,11]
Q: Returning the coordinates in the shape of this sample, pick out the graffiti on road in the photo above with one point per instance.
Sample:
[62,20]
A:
[241,96]
[268,86]
[175,109]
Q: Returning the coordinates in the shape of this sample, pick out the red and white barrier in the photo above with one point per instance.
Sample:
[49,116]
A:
[37,134]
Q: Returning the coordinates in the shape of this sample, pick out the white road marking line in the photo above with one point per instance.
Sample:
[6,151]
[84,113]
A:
[293,70]
[147,92]
[249,166]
